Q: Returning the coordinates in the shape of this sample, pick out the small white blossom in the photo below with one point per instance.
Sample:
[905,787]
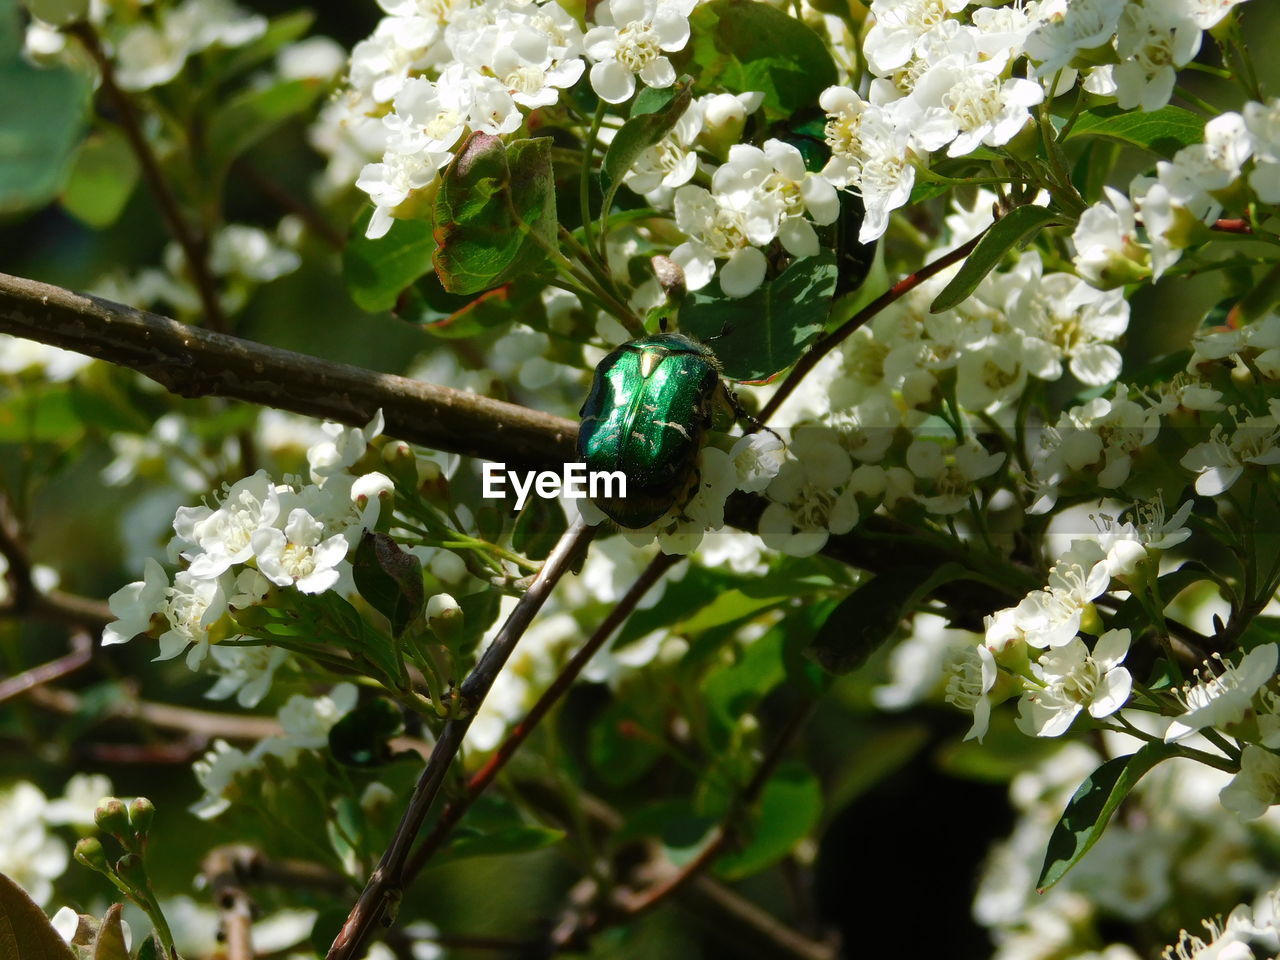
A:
[217,771]
[135,604]
[300,555]
[1075,679]
[1224,693]
[631,39]
[1220,461]
[1256,787]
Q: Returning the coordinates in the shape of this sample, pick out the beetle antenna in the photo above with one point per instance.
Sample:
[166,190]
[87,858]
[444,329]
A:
[724,332]
[741,413]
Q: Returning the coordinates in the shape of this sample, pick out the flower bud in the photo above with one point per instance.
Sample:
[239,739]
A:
[723,121]
[670,277]
[141,812]
[112,817]
[90,853]
[398,458]
[445,617]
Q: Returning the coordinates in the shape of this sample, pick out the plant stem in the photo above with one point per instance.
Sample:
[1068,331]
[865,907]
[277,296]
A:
[385,884]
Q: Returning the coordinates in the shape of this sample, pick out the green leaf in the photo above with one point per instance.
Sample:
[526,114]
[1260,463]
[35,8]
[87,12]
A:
[624,741]
[379,271]
[743,45]
[109,943]
[870,615]
[103,176]
[759,335]
[390,578]
[789,809]
[454,317]
[495,213]
[502,842]
[1164,131]
[248,117]
[1091,808]
[538,528]
[1010,232]
[25,932]
[733,690]
[655,113]
[42,114]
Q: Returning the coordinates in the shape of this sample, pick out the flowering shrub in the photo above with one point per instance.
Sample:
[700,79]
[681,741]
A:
[993,296]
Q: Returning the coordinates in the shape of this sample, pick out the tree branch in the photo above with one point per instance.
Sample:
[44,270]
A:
[195,248]
[388,877]
[81,653]
[833,339]
[193,362]
[481,779]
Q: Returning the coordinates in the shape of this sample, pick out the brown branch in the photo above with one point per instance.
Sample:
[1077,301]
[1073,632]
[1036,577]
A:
[725,833]
[192,362]
[721,910]
[388,878]
[200,722]
[81,653]
[481,779]
[833,339]
[195,248]
[282,198]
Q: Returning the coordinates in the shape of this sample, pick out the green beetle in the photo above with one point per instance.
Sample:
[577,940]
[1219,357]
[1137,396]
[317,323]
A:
[649,408]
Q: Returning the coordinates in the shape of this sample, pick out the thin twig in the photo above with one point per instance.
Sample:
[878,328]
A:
[195,248]
[26,600]
[481,779]
[637,904]
[387,880]
[282,198]
[80,655]
[863,316]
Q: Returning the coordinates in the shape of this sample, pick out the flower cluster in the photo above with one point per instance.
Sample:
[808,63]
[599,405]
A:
[261,536]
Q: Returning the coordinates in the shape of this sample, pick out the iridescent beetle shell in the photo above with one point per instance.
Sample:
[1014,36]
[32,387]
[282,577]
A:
[650,404]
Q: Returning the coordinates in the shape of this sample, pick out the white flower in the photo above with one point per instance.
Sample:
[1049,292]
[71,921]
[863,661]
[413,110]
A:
[1229,941]
[299,555]
[969,686]
[1051,617]
[777,171]
[1206,14]
[1256,787]
[135,604]
[192,606]
[307,722]
[1223,698]
[951,472]
[898,25]
[1220,460]
[807,502]
[630,40]
[80,797]
[1153,43]
[29,855]
[731,226]
[1263,124]
[1080,26]
[757,458]
[1105,239]
[245,671]
[223,536]
[976,105]
[345,446]
[217,771]
[1074,679]
[390,183]
[250,253]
